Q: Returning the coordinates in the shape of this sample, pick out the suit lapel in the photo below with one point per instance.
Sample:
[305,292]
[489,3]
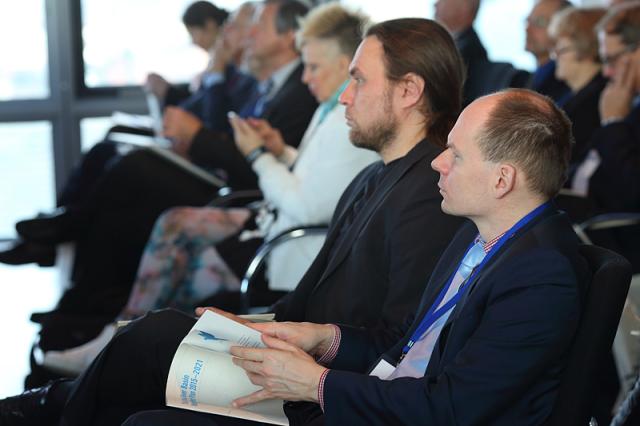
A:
[291,82]
[447,265]
[381,193]
[506,250]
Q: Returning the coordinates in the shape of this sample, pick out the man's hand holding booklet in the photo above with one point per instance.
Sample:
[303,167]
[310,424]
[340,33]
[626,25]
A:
[204,378]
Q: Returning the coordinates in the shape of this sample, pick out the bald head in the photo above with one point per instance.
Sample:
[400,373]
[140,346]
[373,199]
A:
[530,131]
[456,15]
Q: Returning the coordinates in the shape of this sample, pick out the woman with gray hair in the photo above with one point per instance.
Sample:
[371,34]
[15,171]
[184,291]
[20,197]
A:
[578,65]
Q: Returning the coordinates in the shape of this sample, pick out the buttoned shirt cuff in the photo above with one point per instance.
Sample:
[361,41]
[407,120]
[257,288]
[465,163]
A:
[331,353]
[323,377]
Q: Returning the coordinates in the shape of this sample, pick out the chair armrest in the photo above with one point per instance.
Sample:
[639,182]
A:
[267,247]
[228,198]
[610,220]
[605,221]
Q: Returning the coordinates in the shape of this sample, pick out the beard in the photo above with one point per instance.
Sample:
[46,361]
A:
[377,136]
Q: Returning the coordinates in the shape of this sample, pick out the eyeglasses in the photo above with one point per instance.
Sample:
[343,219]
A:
[537,21]
[559,51]
[612,59]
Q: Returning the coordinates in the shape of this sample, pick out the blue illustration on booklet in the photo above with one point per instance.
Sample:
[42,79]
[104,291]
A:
[208,336]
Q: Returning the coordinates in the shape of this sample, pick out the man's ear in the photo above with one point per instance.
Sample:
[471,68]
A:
[412,89]
[505,180]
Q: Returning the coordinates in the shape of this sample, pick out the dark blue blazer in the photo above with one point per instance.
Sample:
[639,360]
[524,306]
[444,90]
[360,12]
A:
[615,185]
[211,104]
[289,111]
[499,357]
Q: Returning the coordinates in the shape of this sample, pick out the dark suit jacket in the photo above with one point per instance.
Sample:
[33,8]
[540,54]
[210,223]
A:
[483,75]
[211,104]
[289,111]
[501,352]
[474,56]
[615,185]
[176,94]
[374,277]
[583,111]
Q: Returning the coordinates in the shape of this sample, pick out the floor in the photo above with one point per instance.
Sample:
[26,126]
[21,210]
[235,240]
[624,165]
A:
[23,290]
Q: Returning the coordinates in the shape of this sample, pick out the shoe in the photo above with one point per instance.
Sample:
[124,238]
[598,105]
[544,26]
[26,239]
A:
[29,408]
[75,360]
[54,228]
[23,252]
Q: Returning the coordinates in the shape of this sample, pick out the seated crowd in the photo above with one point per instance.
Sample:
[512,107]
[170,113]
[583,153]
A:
[448,183]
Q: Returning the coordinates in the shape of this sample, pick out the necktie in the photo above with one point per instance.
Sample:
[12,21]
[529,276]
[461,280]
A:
[255,106]
[417,358]
[471,260]
[265,91]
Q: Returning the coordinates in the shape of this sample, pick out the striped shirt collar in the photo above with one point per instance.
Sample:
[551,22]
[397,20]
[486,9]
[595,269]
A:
[488,245]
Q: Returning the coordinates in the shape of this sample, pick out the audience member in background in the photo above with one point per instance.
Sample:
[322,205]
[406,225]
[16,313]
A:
[229,80]
[578,65]
[204,22]
[483,75]
[539,44]
[228,93]
[609,174]
[182,263]
[272,46]
[385,237]
[457,16]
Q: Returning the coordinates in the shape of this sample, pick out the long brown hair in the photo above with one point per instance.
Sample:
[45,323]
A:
[423,47]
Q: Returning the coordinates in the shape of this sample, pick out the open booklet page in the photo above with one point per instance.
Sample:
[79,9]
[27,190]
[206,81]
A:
[203,378]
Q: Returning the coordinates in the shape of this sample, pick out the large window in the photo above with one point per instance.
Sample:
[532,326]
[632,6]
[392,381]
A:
[93,130]
[24,71]
[27,184]
[123,40]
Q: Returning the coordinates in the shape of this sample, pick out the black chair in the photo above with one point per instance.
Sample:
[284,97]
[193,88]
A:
[603,304]
[249,280]
[629,412]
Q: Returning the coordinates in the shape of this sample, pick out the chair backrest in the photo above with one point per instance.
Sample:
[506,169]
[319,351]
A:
[266,248]
[601,314]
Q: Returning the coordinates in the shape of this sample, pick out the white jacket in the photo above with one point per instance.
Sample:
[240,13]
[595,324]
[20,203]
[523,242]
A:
[325,164]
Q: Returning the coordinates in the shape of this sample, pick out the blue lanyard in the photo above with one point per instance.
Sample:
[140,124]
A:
[434,313]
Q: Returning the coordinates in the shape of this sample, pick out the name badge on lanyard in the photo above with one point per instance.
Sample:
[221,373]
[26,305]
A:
[434,313]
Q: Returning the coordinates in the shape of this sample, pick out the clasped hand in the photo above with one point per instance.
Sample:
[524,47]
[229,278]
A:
[253,133]
[617,97]
[285,369]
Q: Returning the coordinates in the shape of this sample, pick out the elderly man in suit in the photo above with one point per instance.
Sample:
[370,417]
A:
[458,17]
[483,75]
[539,43]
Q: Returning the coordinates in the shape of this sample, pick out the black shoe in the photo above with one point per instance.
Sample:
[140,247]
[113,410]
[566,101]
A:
[53,228]
[29,408]
[24,252]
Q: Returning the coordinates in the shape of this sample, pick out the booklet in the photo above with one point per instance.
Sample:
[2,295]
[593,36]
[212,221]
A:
[203,378]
